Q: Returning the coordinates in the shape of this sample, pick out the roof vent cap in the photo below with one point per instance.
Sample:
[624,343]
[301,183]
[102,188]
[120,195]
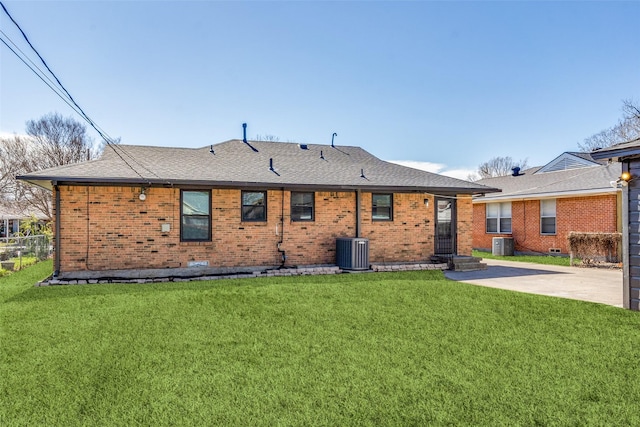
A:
[516,171]
[303,146]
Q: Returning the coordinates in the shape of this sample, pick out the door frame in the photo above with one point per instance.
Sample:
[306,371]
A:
[442,247]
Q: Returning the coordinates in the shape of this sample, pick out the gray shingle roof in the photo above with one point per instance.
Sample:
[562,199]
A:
[573,182]
[625,149]
[237,164]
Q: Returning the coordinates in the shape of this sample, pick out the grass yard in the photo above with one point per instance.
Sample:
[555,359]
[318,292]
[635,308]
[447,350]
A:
[19,263]
[406,348]
[536,259]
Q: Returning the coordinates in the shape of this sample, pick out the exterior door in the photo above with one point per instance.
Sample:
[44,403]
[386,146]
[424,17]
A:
[445,243]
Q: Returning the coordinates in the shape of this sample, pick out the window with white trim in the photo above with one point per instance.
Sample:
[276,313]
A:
[548,216]
[498,217]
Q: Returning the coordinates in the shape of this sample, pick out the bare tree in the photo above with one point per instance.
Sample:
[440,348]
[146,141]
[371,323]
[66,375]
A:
[500,166]
[50,141]
[60,141]
[267,138]
[627,129]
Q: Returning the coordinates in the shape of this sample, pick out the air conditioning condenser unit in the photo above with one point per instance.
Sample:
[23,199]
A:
[352,253]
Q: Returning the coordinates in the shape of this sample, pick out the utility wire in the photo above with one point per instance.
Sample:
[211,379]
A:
[102,134]
[40,76]
[77,108]
[60,95]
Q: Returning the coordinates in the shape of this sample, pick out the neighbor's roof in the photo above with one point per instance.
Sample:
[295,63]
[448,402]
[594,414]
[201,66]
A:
[625,149]
[238,164]
[533,184]
[10,211]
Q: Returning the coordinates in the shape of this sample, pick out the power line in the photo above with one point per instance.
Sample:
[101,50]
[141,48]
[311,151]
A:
[37,74]
[69,99]
[107,138]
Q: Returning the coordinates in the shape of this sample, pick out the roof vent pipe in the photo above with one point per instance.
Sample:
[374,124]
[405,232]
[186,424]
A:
[244,133]
[321,155]
[362,173]
[333,136]
[516,171]
[211,150]
[271,164]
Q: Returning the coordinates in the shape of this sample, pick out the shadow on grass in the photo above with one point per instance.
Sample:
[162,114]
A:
[496,271]
[74,291]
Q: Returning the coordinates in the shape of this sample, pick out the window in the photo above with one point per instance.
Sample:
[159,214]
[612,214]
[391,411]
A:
[302,206]
[382,207]
[195,213]
[254,205]
[499,217]
[548,216]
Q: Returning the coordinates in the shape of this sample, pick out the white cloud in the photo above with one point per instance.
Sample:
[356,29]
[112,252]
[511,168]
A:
[439,168]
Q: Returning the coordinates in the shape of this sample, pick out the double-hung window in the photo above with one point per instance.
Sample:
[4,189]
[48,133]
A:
[382,207]
[254,205]
[195,216]
[302,208]
[548,216]
[499,217]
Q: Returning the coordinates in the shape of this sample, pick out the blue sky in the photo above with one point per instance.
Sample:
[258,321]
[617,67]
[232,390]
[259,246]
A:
[442,84]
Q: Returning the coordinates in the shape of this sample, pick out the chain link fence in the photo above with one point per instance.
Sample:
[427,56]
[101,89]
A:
[14,249]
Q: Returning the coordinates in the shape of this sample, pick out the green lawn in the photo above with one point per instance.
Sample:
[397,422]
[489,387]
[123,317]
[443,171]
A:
[355,349]
[537,259]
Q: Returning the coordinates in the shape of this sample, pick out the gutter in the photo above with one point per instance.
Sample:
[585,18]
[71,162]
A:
[56,261]
[555,195]
[358,219]
[45,182]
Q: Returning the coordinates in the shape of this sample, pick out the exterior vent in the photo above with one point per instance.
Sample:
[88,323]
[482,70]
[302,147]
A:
[352,253]
[502,246]
[554,250]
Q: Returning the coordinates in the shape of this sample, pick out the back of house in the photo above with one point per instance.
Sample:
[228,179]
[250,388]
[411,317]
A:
[247,205]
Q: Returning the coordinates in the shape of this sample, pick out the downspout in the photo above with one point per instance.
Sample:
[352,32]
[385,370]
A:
[279,245]
[626,268]
[56,261]
[358,197]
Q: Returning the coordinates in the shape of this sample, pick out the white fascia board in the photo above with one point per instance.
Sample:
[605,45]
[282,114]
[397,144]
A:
[554,195]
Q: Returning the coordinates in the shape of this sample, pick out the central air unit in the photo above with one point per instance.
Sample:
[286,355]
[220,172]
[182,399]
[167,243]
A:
[502,246]
[352,253]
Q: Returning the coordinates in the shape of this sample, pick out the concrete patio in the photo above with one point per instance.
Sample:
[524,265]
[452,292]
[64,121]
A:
[587,284]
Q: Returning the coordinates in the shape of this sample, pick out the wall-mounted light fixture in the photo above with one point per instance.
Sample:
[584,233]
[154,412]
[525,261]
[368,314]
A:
[625,176]
[142,195]
[623,181]
[426,202]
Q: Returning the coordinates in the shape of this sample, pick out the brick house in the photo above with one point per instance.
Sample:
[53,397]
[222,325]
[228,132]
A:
[538,207]
[247,205]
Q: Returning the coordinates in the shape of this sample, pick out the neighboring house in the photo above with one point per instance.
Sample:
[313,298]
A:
[10,220]
[627,155]
[538,207]
[243,204]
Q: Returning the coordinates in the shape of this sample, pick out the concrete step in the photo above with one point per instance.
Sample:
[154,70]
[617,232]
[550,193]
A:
[469,266]
[465,259]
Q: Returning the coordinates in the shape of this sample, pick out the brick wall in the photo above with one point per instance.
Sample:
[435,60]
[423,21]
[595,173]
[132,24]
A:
[582,214]
[465,224]
[409,237]
[105,228]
